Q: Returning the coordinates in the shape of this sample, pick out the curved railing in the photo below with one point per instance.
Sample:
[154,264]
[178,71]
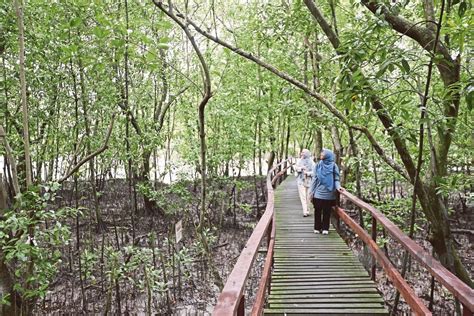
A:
[231,301]
[459,289]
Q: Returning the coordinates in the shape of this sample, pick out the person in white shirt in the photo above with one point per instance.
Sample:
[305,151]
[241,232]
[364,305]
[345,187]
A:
[304,168]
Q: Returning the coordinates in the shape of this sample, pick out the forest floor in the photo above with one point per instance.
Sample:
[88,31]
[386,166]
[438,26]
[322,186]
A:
[189,288]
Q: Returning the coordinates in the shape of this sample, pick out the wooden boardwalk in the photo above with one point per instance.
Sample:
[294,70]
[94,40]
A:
[315,274]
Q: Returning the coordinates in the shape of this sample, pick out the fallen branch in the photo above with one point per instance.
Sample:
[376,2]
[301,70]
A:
[219,246]
[463,231]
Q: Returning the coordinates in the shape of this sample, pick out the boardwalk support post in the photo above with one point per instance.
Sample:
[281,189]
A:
[466,311]
[374,238]
[241,308]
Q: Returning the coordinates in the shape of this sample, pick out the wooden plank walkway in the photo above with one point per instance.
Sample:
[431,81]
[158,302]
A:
[315,274]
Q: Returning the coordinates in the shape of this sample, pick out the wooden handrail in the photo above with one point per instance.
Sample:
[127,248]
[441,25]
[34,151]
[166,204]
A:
[408,294]
[230,301]
[458,288]
[257,308]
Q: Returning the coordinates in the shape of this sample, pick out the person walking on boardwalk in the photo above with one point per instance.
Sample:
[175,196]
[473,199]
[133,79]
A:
[304,167]
[323,190]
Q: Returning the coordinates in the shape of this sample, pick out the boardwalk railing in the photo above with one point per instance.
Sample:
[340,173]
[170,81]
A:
[231,301]
[459,289]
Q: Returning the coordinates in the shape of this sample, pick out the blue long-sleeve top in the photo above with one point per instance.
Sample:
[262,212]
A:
[320,191]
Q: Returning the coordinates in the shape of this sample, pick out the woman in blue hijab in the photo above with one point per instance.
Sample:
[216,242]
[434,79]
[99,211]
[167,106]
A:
[323,190]
[303,167]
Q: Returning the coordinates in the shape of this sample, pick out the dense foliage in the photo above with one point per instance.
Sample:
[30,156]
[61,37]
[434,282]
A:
[112,91]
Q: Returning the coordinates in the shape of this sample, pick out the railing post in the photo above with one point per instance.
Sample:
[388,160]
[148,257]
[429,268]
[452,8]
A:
[466,311]
[241,308]
[338,219]
[269,238]
[269,233]
[374,238]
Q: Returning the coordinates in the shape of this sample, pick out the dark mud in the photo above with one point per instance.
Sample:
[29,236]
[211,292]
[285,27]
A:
[175,280]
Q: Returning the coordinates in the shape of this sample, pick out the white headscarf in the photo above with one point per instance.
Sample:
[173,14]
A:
[305,161]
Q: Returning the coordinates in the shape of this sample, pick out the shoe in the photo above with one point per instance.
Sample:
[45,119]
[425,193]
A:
[305,215]
[325,232]
[317,231]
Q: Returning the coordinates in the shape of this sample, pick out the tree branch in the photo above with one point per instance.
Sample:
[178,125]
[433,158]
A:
[11,160]
[428,9]
[164,92]
[273,70]
[301,86]
[327,29]
[422,35]
[377,105]
[207,94]
[389,161]
[163,110]
[449,70]
[72,170]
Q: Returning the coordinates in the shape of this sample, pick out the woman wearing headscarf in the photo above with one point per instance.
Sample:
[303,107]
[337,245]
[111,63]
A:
[303,168]
[323,190]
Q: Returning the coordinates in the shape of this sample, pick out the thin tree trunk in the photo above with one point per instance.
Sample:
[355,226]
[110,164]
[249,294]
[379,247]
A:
[336,140]
[202,137]
[254,160]
[92,175]
[26,304]
[449,70]
[26,135]
[287,142]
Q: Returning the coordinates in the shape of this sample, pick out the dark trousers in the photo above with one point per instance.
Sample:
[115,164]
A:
[322,207]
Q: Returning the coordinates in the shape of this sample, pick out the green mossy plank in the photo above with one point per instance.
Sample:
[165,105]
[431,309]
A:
[332,270]
[319,273]
[320,263]
[329,305]
[314,273]
[344,300]
[317,283]
[295,278]
[327,291]
[334,312]
[317,259]
[323,296]
[315,287]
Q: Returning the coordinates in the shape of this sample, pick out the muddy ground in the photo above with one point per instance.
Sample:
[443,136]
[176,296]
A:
[189,288]
[185,285]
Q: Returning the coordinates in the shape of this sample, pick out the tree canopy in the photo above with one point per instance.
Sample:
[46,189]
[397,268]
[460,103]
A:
[155,91]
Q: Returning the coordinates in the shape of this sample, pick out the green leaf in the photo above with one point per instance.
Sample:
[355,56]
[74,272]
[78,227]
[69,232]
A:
[75,22]
[165,25]
[164,40]
[382,69]
[470,98]
[163,46]
[462,9]
[118,43]
[100,32]
[406,66]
